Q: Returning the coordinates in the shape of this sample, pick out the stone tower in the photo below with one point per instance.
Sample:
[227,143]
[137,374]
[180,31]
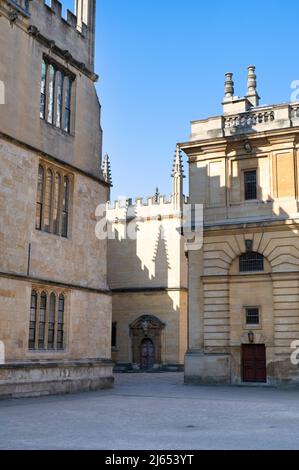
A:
[147,275]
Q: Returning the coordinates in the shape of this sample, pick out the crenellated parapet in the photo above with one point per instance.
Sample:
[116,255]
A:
[143,209]
[68,36]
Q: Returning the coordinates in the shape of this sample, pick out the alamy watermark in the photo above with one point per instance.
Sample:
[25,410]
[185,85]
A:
[295,93]
[2,92]
[295,353]
[129,223]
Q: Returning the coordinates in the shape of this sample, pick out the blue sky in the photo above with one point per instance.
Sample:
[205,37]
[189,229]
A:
[162,63]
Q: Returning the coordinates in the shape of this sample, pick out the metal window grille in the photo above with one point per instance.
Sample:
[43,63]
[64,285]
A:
[252,316]
[251,262]
[250,184]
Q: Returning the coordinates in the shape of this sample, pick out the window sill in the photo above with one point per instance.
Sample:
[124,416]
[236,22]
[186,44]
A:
[44,232]
[47,351]
[256,326]
[60,131]
[250,202]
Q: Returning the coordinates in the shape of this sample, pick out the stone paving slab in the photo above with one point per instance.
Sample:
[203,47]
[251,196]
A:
[154,411]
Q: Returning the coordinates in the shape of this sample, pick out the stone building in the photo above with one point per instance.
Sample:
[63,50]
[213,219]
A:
[147,273]
[244,282]
[55,306]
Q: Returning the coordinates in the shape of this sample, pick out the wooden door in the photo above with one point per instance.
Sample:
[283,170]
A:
[147,354]
[254,363]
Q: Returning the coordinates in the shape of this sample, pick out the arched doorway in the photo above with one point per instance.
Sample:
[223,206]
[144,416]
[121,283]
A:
[146,333]
[147,354]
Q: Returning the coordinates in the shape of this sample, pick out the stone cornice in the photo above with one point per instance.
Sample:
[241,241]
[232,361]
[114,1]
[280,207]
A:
[218,144]
[141,290]
[21,17]
[264,225]
[63,54]
[45,282]
[52,158]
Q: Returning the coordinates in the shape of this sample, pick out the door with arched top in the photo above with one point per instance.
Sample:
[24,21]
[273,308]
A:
[147,354]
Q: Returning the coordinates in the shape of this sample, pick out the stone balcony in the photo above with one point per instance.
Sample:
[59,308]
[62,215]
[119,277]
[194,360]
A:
[252,120]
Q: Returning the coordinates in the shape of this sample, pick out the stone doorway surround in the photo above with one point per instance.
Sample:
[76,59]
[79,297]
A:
[146,327]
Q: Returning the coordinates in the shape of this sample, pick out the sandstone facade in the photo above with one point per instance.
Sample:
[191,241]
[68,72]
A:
[60,265]
[147,273]
[223,152]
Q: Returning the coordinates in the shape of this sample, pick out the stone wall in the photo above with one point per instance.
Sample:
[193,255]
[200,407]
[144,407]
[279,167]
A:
[87,322]
[35,379]
[20,71]
[69,260]
[169,307]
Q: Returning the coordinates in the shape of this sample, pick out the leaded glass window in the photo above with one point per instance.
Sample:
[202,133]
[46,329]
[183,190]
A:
[52,200]
[47,320]
[56,94]
[32,322]
[42,320]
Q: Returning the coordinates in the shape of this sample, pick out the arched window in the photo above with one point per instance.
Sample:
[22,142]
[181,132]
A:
[52,199]
[251,261]
[39,198]
[56,209]
[46,325]
[42,320]
[48,200]
[65,208]
[32,322]
[51,323]
[60,322]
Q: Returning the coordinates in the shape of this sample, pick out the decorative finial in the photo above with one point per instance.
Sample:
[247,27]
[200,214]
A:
[252,93]
[106,170]
[157,195]
[178,169]
[229,85]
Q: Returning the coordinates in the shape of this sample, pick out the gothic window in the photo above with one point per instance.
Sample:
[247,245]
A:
[65,200]
[52,200]
[48,200]
[250,185]
[60,322]
[39,197]
[43,90]
[32,322]
[51,322]
[47,320]
[56,208]
[67,105]
[42,320]
[51,94]
[55,95]
[59,78]
[251,261]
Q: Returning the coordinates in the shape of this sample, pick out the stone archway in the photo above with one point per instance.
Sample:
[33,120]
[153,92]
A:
[146,330]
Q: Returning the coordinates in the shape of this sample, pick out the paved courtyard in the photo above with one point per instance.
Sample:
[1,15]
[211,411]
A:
[154,411]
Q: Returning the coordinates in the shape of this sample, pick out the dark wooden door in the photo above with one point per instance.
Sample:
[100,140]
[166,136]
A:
[147,354]
[254,363]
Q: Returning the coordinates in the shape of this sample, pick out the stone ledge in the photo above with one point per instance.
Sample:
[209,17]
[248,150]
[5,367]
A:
[58,363]
[30,379]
